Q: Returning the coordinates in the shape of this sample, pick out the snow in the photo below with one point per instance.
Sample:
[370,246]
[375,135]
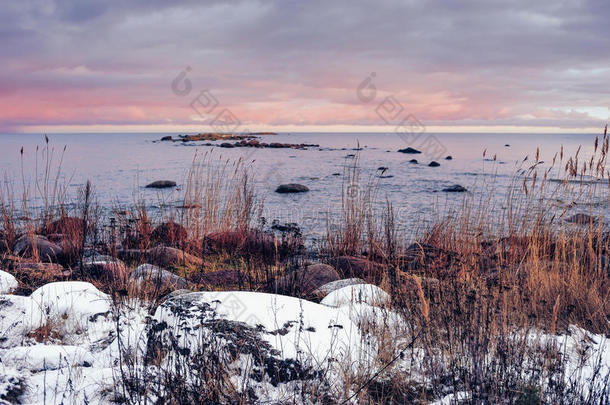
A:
[46,357]
[8,283]
[297,327]
[18,316]
[357,294]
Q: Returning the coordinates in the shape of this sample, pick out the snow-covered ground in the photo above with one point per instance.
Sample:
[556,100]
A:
[70,343]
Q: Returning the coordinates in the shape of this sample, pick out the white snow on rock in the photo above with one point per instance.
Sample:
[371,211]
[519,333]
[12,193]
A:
[46,357]
[18,316]
[357,294]
[292,326]
[8,283]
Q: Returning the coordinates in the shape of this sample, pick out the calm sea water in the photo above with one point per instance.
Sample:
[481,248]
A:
[119,165]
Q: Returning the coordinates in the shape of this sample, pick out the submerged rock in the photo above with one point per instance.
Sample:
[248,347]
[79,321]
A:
[582,219]
[456,188]
[409,150]
[161,184]
[291,188]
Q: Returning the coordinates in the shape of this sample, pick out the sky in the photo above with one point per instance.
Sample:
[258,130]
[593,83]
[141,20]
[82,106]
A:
[192,66]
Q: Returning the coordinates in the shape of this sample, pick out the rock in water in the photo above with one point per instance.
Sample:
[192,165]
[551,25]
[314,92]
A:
[582,219]
[291,188]
[456,188]
[434,164]
[414,161]
[161,184]
[409,150]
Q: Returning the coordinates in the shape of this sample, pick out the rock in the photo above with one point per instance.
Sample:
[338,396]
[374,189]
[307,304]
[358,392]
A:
[507,145]
[336,174]
[434,164]
[456,188]
[304,281]
[43,357]
[36,274]
[177,293]
[103,267]
[410,289]
[582,219]
[250,243]
[220,278]
[449,157]
[227,145]
[169,233]
[38,247]
[327,288]
[413,161]
[167,138]
[18,316]
[161,184]
[157,277]
[357,294]
[382,168]
[291,188]
[409,150]
[164,256]
[8,283]
[351,266]
[65,226]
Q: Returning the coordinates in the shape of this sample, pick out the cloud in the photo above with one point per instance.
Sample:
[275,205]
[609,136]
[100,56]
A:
[293,62]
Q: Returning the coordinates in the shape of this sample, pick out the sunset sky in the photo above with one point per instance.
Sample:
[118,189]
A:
[482,65]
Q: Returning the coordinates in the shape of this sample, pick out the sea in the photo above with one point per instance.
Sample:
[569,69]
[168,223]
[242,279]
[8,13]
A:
[119,165]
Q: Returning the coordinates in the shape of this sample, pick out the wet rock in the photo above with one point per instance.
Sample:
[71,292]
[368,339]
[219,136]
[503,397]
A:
[456,188]
[413,161]
[39,247]
[449,157]
[157,277]
[169,233]
[8,283]
[582,219]
[167,138]
[161,184]
[434,164]
[352,266]
[304,281]
[227,145]
[409,150]
[382,168]
[164,256]
[291,188]
[327,288]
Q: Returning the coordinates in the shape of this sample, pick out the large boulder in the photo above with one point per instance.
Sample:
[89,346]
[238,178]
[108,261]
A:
[148,274]
[305,280]
[352,266]
[291,188]
[327,288]
[169,233]
[38,247]
[161,184]
[8,283]
[164,256]
[35,274]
